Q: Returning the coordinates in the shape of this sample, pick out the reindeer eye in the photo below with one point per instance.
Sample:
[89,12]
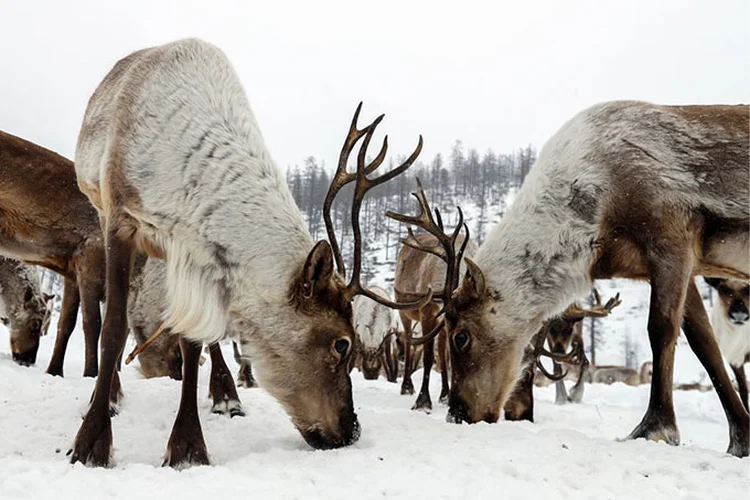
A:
[461,340]
[36,326]
[341,346]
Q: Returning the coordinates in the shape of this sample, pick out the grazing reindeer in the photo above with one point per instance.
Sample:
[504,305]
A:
[425,262]
[731,321]
[560,333]
[607,374]
[624,189]
[566,333]
[374,324]
[45,220]
[24,309]
[172,157]
[163,356]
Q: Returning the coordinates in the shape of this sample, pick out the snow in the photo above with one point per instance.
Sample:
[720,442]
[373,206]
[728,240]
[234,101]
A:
[570,452]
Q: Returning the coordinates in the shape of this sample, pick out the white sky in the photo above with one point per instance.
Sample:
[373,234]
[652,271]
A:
[494,74]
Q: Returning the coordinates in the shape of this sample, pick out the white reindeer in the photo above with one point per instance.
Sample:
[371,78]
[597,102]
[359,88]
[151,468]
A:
[375,325]
[172,157]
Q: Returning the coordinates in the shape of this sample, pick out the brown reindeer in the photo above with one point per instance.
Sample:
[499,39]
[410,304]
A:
[730,319]
[24,309]
[609,374]
[45,220]
[624,189]
[421,266]
[171,155]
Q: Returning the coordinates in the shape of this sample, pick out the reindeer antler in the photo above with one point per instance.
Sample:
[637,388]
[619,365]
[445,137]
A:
[445,250]
[573,312]
[362,184]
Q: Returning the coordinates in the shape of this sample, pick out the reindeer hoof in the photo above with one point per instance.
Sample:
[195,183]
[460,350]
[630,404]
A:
[407,388]
[93,443]
[739,442]
[231,406]
[423,403]
[443,399]
[245,378]
[655,430]
[186,454]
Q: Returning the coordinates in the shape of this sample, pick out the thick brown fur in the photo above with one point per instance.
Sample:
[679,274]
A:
[415,272]
[45,220]
[624,189]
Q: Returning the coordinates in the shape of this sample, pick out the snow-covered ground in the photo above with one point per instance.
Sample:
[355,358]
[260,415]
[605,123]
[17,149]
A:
[570,452]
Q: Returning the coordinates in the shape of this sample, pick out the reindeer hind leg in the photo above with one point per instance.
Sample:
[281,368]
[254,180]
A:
[93,443]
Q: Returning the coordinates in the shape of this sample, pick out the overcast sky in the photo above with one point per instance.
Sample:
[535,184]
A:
[493,74]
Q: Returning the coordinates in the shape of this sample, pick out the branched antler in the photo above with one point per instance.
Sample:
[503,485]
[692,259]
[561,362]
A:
[362,184]
[445,249]
[574,312]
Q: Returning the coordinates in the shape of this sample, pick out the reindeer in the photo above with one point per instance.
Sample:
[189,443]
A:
[560,333]
[375,327]
[624,189]
[45,220]
[24,309]
[566,332]
[731,322]
[609,374]
[416,271]
[172,157]
[163,357]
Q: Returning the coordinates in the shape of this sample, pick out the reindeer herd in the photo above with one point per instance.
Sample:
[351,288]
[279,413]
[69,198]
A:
[175,216]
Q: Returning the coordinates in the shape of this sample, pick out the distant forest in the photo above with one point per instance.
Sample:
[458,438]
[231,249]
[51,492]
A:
[476,182]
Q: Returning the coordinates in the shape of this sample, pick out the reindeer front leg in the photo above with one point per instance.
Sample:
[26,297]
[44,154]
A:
[576,392]
[703,343]
[670,272]
[93,443]
[245,376]
[221,386]
[407,387]
[427,320]
[186,444]
[443,353]
[561,395]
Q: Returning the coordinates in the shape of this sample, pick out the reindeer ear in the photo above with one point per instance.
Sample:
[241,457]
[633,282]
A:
[48,296]
[5,321]
[318,268]
[473,286]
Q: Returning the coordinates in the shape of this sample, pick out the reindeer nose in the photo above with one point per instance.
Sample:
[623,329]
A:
[738,317]
[27,358]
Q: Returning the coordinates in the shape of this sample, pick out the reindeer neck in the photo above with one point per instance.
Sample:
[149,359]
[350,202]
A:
[536,259]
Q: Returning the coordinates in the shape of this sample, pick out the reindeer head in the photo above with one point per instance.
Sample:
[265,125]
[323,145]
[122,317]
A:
[28,323]
[312,380]
[163,358]
[478,393]
[734,298]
